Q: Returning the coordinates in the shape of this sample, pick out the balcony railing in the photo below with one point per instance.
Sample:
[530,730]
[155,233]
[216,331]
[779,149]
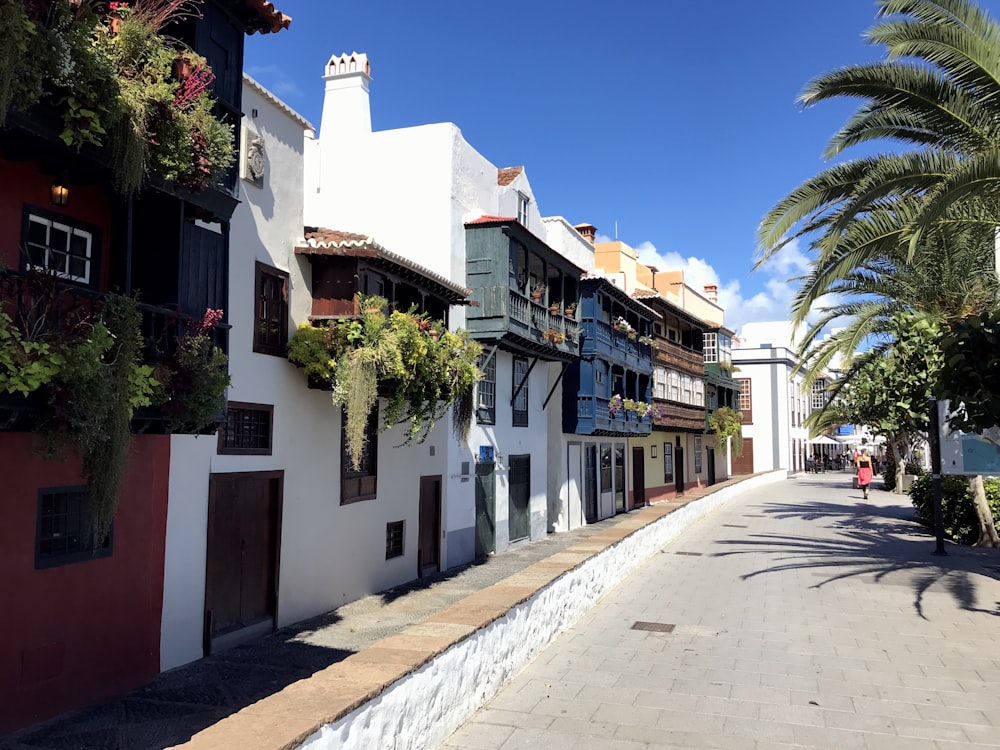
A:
[594,413]
[531,320]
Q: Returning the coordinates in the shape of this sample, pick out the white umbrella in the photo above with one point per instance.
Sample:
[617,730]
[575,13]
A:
[823,440]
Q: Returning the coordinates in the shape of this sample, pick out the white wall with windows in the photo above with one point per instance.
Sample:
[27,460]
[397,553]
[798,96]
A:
[778,402]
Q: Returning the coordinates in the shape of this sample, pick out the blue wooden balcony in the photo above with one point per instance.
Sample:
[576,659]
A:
[593,417]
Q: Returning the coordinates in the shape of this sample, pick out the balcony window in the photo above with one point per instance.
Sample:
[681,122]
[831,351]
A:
[65,248]
[674,385]
[660,382]
[711,348]
[359,484]
[746,402]
[270,333]
[699,392]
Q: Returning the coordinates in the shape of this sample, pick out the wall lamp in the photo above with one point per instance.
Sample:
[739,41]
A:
[59,194]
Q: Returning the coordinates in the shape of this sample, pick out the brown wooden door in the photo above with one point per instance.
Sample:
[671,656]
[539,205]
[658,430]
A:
[244,512]
[428,546]
[744,464]
[679,469]
[638,477]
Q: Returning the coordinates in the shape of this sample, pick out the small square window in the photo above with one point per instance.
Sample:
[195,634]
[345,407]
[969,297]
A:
[65,529]
[394,539]
[247,430]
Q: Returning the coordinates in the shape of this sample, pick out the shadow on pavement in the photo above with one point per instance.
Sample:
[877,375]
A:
[872,540]
[176,704]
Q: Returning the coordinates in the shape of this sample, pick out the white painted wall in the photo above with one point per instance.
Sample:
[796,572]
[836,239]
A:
[329,554]
[184,555]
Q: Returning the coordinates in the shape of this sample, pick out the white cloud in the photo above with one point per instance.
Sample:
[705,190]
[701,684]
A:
[772,303]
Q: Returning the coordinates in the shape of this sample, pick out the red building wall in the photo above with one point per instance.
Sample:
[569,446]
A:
[75,634]
[22,183]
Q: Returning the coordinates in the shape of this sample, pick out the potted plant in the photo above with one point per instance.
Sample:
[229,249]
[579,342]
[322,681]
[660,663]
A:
[570,309]
[554,308]
[616,406]
[537,291]
[553,336]
[400,356]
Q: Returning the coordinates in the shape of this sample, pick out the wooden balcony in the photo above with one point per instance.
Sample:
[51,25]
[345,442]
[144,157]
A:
[678,417]
[676,357]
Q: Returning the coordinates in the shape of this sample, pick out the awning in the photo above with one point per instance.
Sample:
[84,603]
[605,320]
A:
[823,440]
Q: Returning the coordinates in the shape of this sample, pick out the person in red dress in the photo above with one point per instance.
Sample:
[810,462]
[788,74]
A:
[864,466]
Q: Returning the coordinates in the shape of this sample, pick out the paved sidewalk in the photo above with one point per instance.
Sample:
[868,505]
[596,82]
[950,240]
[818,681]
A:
[184,701]
[797,616]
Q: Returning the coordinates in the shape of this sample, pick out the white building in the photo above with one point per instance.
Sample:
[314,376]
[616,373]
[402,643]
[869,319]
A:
[773,399]
[261,530]
[422,192]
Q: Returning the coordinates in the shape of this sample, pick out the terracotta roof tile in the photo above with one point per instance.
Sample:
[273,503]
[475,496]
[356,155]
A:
[506,175]
[487,219]
[335,242]
[273,17]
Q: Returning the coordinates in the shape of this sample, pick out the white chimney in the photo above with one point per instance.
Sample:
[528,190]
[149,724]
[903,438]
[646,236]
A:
[346,109]
[712,292]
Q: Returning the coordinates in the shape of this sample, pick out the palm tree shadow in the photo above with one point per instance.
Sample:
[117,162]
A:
[872,540]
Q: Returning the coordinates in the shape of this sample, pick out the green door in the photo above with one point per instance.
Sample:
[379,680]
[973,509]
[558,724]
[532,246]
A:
[519,497]
[486,497]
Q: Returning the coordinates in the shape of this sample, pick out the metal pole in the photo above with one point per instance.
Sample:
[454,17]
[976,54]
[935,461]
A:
[935,441]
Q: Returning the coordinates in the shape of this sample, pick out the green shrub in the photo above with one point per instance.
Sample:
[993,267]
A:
[957,508]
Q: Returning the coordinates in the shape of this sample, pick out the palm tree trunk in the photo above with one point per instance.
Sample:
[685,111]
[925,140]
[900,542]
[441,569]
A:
[987,529]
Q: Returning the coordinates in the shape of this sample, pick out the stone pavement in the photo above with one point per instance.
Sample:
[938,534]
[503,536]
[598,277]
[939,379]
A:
[185,701]
[798,615]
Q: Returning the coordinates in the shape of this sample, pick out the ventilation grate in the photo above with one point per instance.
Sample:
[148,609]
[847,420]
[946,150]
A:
[654,627]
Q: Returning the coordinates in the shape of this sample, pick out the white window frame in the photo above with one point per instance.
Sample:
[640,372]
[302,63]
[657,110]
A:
[711,342]
[697,454]
[673,385]
[699,392]
[71,231]
[660,382]
[523,202]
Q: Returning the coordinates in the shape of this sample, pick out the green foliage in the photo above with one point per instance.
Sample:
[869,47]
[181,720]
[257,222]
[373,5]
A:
[115,84]
[25,366]
[419,366]
[957,506]
[727,423]
[19,86]
[195,379]
[889,388]
[971,371]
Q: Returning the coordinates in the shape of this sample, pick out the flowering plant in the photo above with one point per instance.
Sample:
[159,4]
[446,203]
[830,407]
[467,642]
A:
[616,405]
[553,336]
[622,325]
[647,340]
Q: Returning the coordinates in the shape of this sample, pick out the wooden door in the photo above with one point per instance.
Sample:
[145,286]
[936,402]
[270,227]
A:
[590,483]
[518,499]
[244,512]
[710,457]
[679,469]
[486,537]
[428,545]
[744,464]
[638,477]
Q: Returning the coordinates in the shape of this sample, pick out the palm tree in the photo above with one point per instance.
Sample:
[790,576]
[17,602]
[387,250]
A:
[886,226]
[937,91]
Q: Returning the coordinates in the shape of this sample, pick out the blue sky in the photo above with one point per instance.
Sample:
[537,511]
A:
[676,122]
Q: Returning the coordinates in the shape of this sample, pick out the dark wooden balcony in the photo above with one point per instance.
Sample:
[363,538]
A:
[678,417]
[44,308]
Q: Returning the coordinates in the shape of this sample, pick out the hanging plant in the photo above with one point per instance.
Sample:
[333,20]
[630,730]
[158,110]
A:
[727,423]
[400,355]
